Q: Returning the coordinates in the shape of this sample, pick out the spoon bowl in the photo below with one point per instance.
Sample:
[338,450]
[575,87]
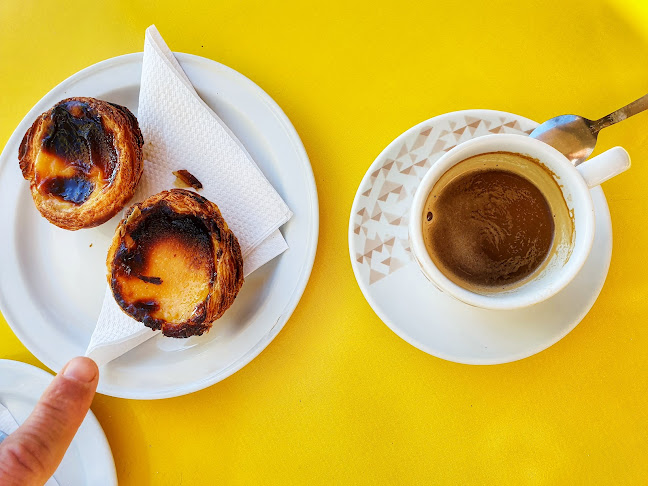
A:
[575,136]
[572,135]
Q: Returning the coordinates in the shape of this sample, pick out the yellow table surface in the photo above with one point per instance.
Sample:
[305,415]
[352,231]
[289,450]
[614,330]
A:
[337,398]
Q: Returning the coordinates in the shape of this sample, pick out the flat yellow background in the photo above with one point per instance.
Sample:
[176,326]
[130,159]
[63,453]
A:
[337,398]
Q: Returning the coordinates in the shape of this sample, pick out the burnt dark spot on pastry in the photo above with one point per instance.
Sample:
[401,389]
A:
[75,134]
[185,331]
[151,322]
[196,197]
[76,190]
[216,230]
[128,260]
[157,224]
[152,280]
[195,326]
[146,306]
[140,310]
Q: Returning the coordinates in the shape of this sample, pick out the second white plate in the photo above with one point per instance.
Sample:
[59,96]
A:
[88,460]
[52,281]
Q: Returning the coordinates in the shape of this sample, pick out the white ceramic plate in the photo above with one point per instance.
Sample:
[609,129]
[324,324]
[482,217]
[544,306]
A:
[88,459]
[52,281]
[407,302]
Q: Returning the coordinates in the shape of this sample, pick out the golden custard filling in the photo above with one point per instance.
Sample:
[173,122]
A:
[164,268]
[77,155]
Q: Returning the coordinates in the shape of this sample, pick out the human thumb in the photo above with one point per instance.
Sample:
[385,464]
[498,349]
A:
[33,452]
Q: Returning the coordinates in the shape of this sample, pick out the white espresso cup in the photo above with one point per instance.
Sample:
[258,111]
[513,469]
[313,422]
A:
[561,265]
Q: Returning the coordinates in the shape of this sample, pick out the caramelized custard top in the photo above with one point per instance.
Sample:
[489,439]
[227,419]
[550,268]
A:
[164,268]
[77,154]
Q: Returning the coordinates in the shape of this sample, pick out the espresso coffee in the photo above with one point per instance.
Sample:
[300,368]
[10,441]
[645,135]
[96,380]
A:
[487,226]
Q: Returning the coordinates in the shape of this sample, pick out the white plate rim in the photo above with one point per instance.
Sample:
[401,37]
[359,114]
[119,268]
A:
[401,333]
[91,425]
[311,244]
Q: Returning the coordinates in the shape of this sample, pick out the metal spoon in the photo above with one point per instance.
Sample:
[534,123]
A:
[575,136]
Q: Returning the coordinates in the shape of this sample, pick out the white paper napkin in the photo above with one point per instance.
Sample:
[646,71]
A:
[8,425]
[181,132]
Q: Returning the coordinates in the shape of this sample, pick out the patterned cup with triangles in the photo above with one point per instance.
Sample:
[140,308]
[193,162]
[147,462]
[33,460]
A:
[567,254]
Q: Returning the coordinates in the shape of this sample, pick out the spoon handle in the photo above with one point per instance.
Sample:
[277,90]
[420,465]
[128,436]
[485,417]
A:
[621,114]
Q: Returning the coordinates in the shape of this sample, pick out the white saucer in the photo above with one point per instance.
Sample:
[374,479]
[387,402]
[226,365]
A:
[88,459]
[407,302]
[52,281]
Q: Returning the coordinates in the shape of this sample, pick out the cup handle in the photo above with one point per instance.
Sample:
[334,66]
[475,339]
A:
[604,166]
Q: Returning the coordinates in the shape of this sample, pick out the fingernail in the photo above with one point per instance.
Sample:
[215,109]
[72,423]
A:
[81,370]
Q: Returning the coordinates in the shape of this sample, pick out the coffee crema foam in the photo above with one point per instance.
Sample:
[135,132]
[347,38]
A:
[487,224]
